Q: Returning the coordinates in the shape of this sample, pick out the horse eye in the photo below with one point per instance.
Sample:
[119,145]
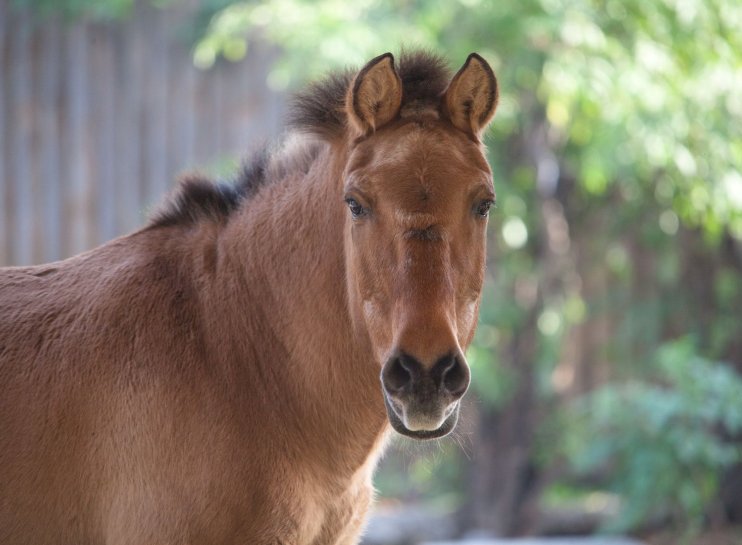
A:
[483,209]
[355,208]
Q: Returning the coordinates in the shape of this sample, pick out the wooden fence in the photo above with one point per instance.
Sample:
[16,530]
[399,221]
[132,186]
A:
[97,119]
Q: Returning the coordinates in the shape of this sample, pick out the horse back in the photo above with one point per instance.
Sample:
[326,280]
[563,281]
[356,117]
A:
[85,345]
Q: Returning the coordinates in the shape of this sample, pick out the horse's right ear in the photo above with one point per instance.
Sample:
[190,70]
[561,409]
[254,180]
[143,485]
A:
[375,96]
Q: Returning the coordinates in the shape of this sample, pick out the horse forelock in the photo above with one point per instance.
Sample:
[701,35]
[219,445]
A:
[320,107]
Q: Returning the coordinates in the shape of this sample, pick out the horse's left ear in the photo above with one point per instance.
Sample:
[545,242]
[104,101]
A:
[471,97]
[375,96]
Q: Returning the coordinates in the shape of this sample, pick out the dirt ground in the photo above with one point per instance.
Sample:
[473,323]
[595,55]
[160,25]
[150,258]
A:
[727,536]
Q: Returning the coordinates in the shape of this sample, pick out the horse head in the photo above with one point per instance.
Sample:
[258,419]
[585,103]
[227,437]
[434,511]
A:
[418,190]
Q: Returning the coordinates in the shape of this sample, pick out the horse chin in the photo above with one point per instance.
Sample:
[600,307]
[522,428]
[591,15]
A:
[448,424]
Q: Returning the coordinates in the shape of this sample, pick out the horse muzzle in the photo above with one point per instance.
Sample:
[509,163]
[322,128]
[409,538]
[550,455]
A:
[423,402]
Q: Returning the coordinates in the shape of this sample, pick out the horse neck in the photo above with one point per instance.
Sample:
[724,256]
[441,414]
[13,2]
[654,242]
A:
[285,250]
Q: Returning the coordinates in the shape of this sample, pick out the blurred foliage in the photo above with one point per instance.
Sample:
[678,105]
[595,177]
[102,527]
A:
[77,9]
[657,444]
[644,92]
[429,472]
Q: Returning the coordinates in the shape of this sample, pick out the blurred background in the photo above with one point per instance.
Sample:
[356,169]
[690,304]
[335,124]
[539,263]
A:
[607,386]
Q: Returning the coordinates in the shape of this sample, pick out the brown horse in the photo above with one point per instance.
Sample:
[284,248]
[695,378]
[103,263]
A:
[214,377]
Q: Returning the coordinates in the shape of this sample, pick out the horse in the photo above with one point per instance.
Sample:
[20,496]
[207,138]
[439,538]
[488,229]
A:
[232,371]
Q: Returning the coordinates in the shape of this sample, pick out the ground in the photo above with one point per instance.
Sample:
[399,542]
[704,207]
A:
[727,536]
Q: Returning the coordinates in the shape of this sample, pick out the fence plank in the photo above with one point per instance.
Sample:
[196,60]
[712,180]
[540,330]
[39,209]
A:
[50,171]
[79,190]
[22,231]
[104,97]
[128,139]
[4,130]
[156,115]
[181,112]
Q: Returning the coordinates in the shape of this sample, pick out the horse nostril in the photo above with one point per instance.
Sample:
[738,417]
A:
[403,373]
[398,373]
[454,376]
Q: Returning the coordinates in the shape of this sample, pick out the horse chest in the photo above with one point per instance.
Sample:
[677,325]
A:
[301,513]
[335,519]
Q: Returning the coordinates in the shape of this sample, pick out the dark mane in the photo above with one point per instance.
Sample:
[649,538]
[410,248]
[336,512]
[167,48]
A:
[317,110]
[197,197]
